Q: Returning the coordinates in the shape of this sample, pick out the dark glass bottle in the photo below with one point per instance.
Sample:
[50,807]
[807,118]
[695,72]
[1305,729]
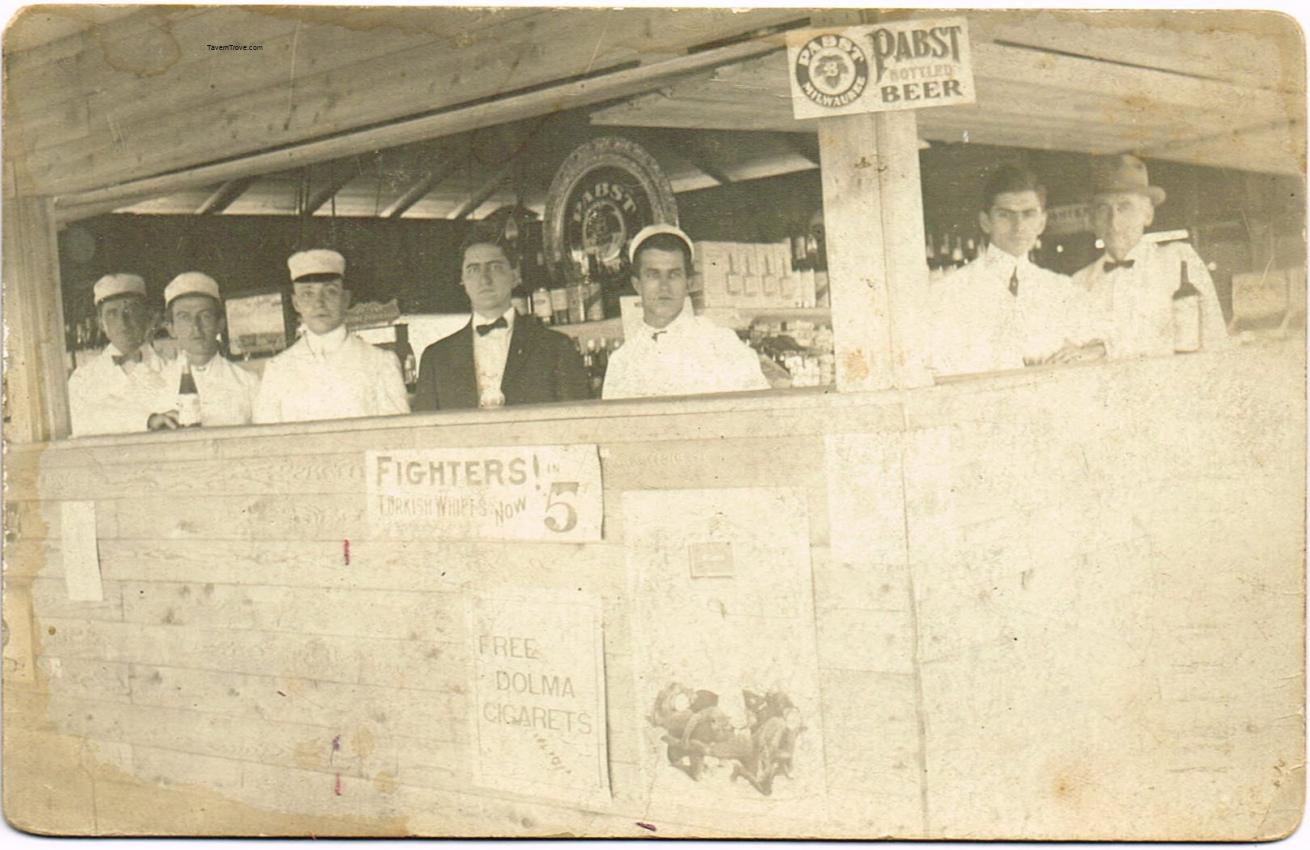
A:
[1186,313]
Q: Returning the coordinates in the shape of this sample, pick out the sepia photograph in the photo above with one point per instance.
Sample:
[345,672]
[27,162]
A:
[654,422]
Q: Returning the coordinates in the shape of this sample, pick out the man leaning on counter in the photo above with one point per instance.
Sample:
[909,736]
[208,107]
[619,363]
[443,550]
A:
[1001,311]
[1133,286]
[118,390]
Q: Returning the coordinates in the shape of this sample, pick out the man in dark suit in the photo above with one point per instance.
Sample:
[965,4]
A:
[499,357]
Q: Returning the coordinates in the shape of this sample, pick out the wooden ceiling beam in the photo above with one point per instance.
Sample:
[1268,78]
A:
[223,197]
[480,195]
[341,174]
[417,191]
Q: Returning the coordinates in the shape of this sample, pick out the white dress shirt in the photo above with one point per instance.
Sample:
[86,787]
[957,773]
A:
[690,356]
[335,375]
[1135,305]
[227,391]
[107,399]
[978,325]
[490,351]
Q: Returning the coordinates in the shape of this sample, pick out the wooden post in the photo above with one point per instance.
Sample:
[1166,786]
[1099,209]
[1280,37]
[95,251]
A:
[877,274]
[35,375]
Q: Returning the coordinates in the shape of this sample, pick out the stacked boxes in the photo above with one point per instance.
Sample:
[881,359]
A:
[742,274]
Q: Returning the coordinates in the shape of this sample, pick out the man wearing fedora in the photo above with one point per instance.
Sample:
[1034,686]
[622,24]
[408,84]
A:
[674,352]
[329,373]
[1131,286]
[116,392]
[499,357]
[193,311]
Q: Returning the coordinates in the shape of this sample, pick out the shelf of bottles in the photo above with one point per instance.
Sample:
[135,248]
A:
[950,252]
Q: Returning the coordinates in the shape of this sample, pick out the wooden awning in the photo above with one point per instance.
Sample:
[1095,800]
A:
[1207,98]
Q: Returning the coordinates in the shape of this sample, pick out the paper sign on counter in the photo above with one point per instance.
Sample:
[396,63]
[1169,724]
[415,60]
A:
[81,554]
[537,695]
[550,493]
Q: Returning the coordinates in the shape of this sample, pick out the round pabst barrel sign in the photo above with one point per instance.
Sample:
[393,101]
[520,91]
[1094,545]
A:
[603,193]
[832,70]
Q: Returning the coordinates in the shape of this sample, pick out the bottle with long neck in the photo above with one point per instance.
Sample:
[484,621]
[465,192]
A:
[188,397]
[1186,313]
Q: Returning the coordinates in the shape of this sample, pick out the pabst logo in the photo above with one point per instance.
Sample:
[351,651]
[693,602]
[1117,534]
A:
[832,70]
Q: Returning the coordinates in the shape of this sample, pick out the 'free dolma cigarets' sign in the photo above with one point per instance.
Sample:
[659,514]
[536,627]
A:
[537,694]
[880,68]
[495,493]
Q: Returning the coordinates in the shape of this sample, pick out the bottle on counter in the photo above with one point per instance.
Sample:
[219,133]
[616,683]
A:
[542,306]
[559,304]
[594,296]
[188,398]
[405,354]
[1186,314]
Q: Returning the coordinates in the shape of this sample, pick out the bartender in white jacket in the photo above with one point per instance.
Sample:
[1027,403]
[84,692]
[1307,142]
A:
[329,373]
[194,314]
[116,392]
[675,352]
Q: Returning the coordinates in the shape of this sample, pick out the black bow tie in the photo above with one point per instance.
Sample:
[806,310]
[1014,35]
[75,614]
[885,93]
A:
[1014,282]
[120,359]
[483,330]
[1111,265]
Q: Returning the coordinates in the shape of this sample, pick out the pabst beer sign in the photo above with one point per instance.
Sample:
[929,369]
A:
[878,68]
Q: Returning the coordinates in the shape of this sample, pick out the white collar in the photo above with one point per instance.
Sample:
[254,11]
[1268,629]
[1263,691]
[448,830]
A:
[998,258]
[328,343]
[679,323]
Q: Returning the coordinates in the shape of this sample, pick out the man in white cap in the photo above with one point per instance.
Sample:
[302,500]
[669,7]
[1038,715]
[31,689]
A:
[116,392]
[225,392]
[1131,286]
[329,373]
[675,352]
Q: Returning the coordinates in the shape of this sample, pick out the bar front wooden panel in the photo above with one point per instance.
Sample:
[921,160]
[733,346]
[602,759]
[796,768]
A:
[1056,604]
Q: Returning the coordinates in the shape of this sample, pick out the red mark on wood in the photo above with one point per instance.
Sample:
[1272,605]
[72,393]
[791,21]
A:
[338,787]
[649,826]
[345,551]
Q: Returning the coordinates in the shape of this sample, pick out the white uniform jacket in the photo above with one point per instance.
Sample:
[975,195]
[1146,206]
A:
[690,356]
[976,324]
[105,399]
[1135,305]
[227,391]
[333,376]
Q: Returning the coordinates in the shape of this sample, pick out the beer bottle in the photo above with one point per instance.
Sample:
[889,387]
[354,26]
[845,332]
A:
[1186,313]
[188,398]
[541,306]
[405,354]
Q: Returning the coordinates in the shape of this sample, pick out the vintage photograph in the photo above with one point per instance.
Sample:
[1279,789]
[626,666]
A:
[654,422]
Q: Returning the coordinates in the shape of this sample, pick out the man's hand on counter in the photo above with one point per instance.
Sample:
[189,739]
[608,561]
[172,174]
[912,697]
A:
[1071,353]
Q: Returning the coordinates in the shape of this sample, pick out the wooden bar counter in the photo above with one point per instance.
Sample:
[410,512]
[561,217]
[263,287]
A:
[1023,586]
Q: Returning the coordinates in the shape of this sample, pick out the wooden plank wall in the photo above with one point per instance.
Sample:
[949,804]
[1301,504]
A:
[1028,587]
[145,94]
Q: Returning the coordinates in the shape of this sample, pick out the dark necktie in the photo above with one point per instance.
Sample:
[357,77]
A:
[483,330]
[1111,265]
[120,359]
[1014,282]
